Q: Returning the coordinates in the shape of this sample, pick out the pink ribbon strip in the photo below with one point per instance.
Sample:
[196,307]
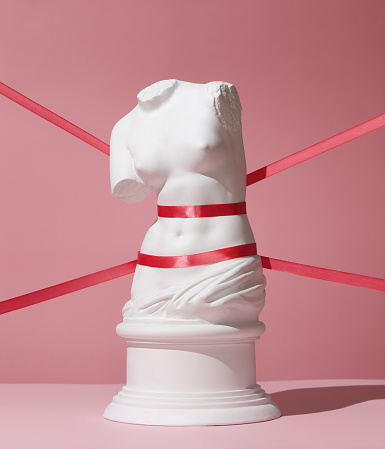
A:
[74,285]
[269,263]
[203,210]
[316,149]
[53,118]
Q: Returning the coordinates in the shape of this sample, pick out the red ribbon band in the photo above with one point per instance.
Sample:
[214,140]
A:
[316,149]
[204,210]
[64,288]
[50,116]
[191,260]
[324,274]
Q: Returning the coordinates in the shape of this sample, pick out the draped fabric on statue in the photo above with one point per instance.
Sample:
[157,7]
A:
[231,291]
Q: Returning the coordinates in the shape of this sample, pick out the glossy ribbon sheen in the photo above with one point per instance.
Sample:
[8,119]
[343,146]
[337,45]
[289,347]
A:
[204,210]
[191,260]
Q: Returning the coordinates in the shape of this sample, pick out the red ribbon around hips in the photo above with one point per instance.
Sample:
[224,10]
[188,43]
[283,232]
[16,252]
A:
[191,260]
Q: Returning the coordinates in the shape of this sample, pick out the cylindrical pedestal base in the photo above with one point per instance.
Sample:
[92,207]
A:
[184,373]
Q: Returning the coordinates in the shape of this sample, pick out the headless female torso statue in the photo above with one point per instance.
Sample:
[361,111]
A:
[185,141]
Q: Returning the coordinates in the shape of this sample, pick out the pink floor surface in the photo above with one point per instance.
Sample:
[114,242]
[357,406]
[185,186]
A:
[316,414]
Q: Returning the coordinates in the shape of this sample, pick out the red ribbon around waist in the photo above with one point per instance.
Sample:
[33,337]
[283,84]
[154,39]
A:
[191,260]
[204,210]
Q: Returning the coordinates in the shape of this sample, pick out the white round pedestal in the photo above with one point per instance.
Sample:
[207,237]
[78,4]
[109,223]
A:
[186,373]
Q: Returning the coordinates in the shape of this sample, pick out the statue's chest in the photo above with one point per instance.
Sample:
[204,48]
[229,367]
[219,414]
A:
[186,140]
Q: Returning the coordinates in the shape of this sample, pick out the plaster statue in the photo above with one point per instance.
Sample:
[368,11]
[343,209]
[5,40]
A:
[185,141]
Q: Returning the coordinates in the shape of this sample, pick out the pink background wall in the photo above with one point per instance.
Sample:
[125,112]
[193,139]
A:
[305,70]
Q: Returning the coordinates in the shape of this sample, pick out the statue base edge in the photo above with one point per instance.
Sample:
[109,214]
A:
[125,411]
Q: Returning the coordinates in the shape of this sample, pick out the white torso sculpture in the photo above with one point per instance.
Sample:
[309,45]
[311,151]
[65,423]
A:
[185,141]
[190,330]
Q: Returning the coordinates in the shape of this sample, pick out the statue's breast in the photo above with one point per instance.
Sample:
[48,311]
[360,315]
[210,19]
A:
[192,134]
[180,144]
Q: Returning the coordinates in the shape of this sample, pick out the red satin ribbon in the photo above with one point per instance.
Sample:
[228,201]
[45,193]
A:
[316,149]
[64,288]
[191,260]
[204,210]
[45,113]
[340,277]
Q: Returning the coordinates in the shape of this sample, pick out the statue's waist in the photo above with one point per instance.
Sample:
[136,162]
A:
[194,229]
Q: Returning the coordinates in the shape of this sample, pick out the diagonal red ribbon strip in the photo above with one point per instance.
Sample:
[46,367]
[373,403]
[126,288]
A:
[64,288]
[316,149]
[45,113]
[325,274]
[55,291]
